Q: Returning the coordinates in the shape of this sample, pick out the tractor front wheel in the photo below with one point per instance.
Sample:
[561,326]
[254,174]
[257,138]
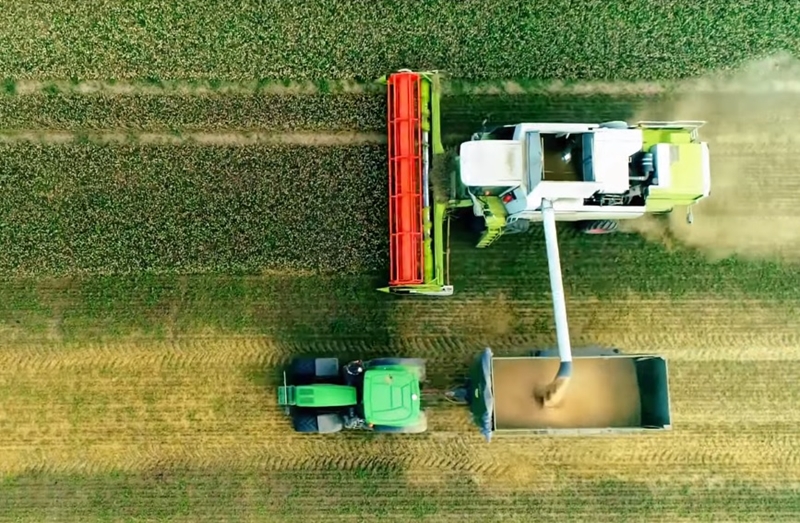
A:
[598,227]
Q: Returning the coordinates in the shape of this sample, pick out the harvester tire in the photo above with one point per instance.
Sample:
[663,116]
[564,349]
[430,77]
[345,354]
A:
[305,423]
[303,371]
[598,227]
[419,363]
[615,124]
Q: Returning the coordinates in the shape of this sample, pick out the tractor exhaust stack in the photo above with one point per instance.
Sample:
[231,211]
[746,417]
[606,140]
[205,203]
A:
[552,395]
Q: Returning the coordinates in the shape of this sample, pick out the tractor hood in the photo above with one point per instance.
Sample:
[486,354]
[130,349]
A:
[391,397]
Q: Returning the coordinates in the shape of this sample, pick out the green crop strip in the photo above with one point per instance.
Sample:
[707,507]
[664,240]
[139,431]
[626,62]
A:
[120,209]
[352,39]
[381,492]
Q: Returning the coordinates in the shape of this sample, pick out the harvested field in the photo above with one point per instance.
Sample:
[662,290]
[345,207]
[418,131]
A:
[187,210]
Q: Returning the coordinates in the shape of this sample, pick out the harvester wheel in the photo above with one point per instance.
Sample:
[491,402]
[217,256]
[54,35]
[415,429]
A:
[420,427]
[615,124]
[417,363]
[598,227]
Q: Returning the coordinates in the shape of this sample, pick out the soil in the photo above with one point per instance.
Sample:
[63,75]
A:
[603,392]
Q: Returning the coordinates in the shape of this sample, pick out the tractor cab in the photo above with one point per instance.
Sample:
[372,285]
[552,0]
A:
[382,395]
[390,397]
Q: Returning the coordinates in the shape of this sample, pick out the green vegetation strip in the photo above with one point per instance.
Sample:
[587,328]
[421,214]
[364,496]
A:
[381,492]
[293,307]
[101,209]
[208,112]
[471,39]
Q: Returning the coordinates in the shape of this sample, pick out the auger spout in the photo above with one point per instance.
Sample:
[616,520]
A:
[552,395]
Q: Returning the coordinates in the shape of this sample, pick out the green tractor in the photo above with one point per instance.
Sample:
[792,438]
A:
[382,395]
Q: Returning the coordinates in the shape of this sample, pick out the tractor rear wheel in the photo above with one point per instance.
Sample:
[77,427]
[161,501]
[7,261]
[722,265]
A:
[417,363]
[303,371]
[598,227]
[317,423]
[305,423]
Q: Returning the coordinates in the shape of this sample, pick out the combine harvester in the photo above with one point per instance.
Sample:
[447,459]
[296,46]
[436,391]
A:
[510,176]
[590,174]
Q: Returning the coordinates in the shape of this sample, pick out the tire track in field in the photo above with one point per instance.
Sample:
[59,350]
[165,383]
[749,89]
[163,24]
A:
[728,145]
[212,405]
[232,137]
[786,82]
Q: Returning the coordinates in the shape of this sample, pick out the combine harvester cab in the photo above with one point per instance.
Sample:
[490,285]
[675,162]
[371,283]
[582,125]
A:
[610,393]
[417,239]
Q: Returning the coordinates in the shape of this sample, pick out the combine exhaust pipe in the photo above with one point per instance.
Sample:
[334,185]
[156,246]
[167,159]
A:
[552,395]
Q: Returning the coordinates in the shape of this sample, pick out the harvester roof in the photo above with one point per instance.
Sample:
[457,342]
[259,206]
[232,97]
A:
[391,397]
[493,163]
[677,165]
[601,159]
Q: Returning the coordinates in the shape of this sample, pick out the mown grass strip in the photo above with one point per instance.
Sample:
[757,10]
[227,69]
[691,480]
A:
[474,39]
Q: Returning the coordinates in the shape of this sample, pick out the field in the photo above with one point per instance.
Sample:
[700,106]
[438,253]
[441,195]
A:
[192,195]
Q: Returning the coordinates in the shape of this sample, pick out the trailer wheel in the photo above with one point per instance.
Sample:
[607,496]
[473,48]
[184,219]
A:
[417,363]
[598,227]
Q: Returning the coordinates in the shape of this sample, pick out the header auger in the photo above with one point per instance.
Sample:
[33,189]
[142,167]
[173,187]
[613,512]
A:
[416,220]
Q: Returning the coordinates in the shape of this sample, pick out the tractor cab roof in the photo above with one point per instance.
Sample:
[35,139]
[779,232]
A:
[391,397]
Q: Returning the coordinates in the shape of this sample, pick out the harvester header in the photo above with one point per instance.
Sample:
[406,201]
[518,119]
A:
[416,220]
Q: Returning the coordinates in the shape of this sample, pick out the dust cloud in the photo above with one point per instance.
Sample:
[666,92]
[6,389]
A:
[753,132]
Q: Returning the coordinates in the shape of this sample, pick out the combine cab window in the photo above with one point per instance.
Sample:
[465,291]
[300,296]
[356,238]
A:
[503,133]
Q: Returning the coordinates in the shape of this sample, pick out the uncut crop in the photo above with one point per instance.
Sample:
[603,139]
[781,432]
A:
[268,112]
[103,209]
[561,39]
